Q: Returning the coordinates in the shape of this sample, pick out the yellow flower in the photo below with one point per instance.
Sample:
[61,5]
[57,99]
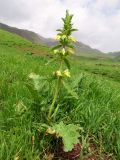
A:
[50,131]
[64,37]
[58,37]
[56,51]
[58,73]
[67,73]
[63,52]
[72,39]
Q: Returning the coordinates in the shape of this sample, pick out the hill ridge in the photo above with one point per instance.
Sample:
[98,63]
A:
[36,38]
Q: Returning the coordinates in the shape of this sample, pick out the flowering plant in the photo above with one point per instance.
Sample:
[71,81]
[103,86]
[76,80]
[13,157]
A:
[63,50]
[69,133]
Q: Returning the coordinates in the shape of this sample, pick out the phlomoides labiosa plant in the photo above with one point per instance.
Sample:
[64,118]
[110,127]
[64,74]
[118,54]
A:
[68,133]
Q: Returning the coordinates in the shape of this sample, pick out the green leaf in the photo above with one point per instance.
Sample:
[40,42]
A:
[36,79]
[63,19]
[68,26]
[73,30]
[33,92]
[69,134]
[67,63]
[35,85]
[70,46]
[55,111]
[59,30]
[56,47]
[20,108]
[50,61]
[70,90]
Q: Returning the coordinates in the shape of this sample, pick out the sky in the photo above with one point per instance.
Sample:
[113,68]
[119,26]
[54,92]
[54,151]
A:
[98,21]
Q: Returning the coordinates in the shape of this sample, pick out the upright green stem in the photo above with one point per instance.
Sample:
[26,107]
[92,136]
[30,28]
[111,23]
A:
[55,98]
[64,37]
[56,93]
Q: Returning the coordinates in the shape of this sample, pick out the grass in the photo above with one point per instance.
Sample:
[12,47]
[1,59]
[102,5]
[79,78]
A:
[97,110]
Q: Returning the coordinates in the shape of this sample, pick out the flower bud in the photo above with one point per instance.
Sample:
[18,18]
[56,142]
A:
[50,131]
[58,37]
[63,52]
[56,51]
[67,73]
[64,37]
[58,73]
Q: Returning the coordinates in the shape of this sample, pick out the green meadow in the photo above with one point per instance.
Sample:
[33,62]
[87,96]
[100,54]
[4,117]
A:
[97,110]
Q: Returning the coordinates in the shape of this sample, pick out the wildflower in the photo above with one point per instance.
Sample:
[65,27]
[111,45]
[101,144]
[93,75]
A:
[67,73]
[58,37]
[56,51]
[50,131]
[63,51]
[64,37]
[58,73]
[72,39]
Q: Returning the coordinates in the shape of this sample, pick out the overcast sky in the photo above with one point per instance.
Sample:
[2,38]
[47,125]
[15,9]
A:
[98,21]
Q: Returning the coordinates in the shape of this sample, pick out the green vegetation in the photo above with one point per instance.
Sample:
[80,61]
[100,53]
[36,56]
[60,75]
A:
[12,40]
[97,111]
[66,135]
[81,49]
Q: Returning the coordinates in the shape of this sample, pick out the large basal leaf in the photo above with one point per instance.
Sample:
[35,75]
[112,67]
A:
[36,79]
[69,134]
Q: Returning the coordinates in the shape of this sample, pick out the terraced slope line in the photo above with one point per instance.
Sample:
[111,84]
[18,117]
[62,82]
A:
[8,39]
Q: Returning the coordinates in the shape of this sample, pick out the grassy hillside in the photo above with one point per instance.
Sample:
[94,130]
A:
[31,36]
[97,110]
[8,39]
[81,48]
[107,68]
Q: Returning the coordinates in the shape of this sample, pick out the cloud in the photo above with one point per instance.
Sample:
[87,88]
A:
[98,21]
[12,10]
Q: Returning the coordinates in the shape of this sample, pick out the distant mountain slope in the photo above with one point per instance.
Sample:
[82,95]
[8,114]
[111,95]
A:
[13,41]
[31,36]
[9,38]
[115,54]
[35,38]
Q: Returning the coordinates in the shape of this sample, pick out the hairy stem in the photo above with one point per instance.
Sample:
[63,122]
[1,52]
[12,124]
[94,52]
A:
[56,93]
[55,98]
